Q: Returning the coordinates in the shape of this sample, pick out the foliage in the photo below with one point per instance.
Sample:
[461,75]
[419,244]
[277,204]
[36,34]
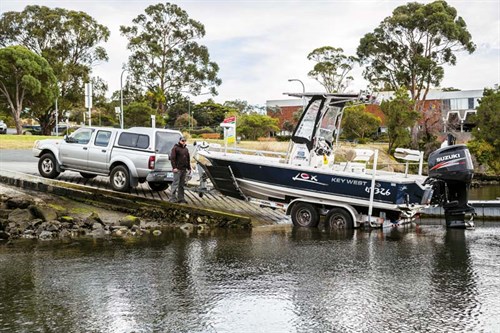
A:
[239,105]
[486,143]
[409,48]
[332,68]
[139,114]
[400,115]
[357,123]
[67,39]
[183,121]
[166,58]
[253,125]
[210,113]
[26,80]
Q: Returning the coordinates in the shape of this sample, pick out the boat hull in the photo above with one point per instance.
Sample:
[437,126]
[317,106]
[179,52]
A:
[282,182]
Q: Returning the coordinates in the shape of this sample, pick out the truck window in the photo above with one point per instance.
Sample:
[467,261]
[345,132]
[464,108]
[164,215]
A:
[165,142]
[102,138]
[82,135]
[134,140]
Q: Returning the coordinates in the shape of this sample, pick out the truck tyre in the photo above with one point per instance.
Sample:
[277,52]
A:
[304,215]
[158,186]
[88,175]
[120,179]
[338,218]
[47,166]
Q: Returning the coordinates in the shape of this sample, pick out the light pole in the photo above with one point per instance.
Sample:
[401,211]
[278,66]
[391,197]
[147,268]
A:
[121,98]
[303,92]
[189,107]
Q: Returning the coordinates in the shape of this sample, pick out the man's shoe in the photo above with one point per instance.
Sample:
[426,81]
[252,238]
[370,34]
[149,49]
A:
[182,201]
[173,200]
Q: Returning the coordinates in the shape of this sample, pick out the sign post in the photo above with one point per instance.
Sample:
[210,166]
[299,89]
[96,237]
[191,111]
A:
[229,125]
[88,101]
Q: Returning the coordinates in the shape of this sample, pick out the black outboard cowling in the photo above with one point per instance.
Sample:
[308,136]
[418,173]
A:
[450,172]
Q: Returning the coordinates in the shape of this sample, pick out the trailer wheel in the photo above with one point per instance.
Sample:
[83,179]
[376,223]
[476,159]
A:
[119,179]
[338,218]
[304,215]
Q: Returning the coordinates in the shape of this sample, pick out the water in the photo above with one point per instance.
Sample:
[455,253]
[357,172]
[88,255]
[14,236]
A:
[269,279]
[488,192]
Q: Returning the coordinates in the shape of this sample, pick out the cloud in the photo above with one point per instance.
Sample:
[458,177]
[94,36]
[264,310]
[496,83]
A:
[259,45]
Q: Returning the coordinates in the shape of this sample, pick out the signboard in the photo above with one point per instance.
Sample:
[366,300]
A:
[229,125]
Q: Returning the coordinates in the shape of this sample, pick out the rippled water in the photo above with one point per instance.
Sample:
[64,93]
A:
[270,279]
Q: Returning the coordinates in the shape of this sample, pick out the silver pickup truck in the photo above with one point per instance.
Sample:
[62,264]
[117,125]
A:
[128,156]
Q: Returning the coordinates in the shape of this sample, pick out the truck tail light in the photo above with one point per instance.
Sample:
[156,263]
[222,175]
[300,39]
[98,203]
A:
[151,163]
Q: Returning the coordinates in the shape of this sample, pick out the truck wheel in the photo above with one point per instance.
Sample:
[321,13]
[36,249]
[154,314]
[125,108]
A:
[158,186]
[304,215]
[47,166]
[119,179]
[338,218]
[88,175]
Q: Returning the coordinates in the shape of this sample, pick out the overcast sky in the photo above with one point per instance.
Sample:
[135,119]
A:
[259,45]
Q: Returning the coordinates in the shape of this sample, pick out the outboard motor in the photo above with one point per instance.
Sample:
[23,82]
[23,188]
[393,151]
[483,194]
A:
[450,173]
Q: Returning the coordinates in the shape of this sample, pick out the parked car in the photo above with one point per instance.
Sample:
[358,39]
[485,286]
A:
[32,130]
[3,127]
[127,156]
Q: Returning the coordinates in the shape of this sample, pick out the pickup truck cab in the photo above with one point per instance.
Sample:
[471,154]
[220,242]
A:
[128,156]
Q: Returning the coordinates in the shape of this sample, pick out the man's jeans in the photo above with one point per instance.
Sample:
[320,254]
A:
[178,186]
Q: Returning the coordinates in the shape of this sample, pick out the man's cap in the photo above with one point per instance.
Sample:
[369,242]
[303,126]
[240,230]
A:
[182,138]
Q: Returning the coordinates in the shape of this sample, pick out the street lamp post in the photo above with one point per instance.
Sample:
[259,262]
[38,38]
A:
[121,98]
[303,92]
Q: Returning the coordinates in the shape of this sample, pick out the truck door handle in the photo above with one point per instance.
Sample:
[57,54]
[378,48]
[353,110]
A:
[104,150]
[85,148]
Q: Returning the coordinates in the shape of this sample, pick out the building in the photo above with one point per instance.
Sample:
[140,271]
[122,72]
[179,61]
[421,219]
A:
[453,107]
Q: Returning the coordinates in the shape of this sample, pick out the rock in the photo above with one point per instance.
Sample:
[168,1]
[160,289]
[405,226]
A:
[68,219]
[187,227]
[4,235]
[20,215]
[44,235]
[156,232]
[97,226]
[21,202]
[94,217]
[64,234]
[129,220]
[98,233]
[45,213]
[53,226]
[4,213]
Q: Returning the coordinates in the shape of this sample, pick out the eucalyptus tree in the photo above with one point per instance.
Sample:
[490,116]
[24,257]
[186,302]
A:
[332,68]
[409,48]
[69,40]
[26,80]
[166,58]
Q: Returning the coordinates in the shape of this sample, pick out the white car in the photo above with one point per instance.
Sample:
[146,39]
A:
[3,127]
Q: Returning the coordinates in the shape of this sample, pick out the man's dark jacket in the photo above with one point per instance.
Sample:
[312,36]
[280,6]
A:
[179,157]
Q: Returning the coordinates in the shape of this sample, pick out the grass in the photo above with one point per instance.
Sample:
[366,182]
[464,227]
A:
[14,141]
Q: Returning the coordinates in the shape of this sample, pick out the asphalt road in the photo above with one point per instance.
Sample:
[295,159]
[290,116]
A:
[20,160]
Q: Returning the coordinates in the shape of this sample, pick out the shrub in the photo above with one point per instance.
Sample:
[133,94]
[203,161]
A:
[210,135]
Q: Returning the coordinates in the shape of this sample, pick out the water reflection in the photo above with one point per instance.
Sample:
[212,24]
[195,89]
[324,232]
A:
[280,279]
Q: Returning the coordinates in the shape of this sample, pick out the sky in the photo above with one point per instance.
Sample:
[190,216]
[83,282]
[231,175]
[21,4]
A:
[259,45]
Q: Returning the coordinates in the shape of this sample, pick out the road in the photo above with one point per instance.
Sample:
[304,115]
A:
[23,161]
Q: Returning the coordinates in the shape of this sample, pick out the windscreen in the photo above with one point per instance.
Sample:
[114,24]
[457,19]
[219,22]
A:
[305,129]
[328,124]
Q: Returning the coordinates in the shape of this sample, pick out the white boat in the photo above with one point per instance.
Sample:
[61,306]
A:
[309,183]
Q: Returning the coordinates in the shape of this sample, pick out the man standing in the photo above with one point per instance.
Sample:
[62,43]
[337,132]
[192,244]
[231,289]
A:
[180,159]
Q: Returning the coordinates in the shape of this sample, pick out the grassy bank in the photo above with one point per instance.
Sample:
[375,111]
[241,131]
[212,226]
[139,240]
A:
[14,141]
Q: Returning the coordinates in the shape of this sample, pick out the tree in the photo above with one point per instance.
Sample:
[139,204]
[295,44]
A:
[210,113]
[240,105]
[332,68]
[409,48]
[139,114]
[253,126]
[166,59]
[486,143]
[183,121]
[67,39]
[357,123]
[400,116]
[26,80]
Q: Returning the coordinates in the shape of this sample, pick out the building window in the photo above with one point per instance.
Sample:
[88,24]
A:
[471,103]
[446,104]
